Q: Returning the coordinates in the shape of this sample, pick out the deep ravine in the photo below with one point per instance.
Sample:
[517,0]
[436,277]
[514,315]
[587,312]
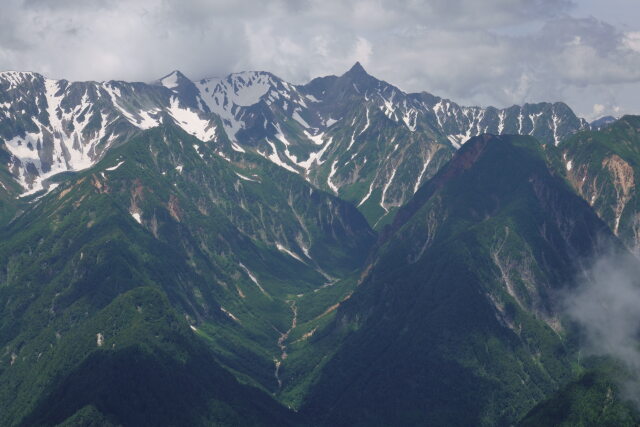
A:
[282,342]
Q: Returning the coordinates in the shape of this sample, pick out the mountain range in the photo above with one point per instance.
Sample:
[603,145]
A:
[246,251]
[354,136]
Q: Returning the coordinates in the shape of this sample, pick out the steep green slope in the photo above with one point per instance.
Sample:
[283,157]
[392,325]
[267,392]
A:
[9,190]
[271,236]
[604,167]
[74,292]
[144,366]
[232,244]
[595,399]
[454,322]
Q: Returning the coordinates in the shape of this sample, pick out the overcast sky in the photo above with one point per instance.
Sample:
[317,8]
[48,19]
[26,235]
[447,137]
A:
[489,52]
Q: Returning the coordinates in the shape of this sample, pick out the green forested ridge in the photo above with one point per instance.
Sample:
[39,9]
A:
[455,322]
[596,398]
[145,367]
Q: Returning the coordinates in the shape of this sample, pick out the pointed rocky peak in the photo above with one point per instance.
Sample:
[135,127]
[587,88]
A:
[356,81]
[173,80]
[182,87]
[358,74]
[357,70]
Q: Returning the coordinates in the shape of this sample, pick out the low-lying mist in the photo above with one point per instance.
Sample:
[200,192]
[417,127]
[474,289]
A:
[606,305]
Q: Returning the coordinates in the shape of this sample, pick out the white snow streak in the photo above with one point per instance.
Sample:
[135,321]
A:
[275,157]
[246,178]
[253,278]
[366,197]
[283,249]
[237,148]
[386,187]
[112,168]
[501,115]
[331,174]
[424,169]
[554,126]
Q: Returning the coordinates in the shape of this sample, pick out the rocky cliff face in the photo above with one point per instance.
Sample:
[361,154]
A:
[602,166]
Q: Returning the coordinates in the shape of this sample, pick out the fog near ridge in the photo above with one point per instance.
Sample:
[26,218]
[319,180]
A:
[606,306]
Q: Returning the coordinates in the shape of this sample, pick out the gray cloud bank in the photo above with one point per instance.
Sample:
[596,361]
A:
[495,52]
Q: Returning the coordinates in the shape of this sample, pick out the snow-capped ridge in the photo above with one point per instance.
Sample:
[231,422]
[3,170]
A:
[306,129]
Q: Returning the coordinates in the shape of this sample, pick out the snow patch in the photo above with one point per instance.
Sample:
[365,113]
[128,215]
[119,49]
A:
[366,197]
[366,126]
[171,81]
[501,116]
[329,122]
[237,148]
[424,169]
[331,185]
[221,154]
[136,216]
[197,148]
[228,313]
[353,139]
[112,168]
[316,139]
[386,187]
[316,157]
[246,178]
[456,140]
[275,158]
[253,278]
[296,116]
[191,122]
[52,187]
[410,119]
[281,248]
[554,126]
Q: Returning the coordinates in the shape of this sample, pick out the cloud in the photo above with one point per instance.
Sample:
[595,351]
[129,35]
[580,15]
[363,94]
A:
[496,52]
[598,109]
[605,306]
[632,40]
